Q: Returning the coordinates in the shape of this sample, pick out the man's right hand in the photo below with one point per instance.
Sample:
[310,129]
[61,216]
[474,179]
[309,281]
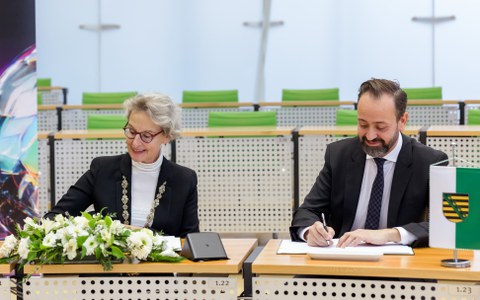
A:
[317,236]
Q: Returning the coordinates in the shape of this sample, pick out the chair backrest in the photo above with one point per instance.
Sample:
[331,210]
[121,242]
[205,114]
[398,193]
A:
[346,117]
[106,98]
[242,118]
[44,82]
[315,95]
[102,121]
[433,93]
[210,96]
[473,117]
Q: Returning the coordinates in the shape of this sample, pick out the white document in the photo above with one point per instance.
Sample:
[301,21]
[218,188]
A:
[289,247]
[173,242]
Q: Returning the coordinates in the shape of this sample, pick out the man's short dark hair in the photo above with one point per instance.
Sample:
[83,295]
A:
[378,87]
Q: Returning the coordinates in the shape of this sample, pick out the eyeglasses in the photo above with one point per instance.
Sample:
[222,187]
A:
[145,136]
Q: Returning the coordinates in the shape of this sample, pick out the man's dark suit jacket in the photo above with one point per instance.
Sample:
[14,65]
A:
[337,188]
[101,185]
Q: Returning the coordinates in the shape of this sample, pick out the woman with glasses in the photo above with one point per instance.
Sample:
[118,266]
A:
[141,187]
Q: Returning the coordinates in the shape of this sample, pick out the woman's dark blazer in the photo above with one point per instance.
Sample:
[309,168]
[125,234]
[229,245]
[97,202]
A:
[101,185]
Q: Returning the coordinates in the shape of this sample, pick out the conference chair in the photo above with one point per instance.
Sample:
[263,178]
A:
[425,93]
[44,82]
[210,96]
[346,117]
[242,118]
[194,116]
[314,95]
[290,114]
[106,98]
[473,117]
[102,121]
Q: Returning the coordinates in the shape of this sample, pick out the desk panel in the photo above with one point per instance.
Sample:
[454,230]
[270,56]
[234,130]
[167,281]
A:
[466,139]
[47,118]
[373,276]
[53,95]
[306,113]
[43,174]
[433,112]
[211,280]
[197,117]
[245,184]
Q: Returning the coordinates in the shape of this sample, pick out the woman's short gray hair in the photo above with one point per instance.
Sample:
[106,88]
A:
[161,110]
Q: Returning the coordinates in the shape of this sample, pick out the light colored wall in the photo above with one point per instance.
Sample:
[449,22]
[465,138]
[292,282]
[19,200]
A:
[173,45]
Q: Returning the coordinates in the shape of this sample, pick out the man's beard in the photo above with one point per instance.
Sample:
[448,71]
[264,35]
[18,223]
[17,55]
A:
[379,151]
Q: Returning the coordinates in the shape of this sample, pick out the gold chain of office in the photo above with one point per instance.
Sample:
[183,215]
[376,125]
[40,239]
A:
[156,202]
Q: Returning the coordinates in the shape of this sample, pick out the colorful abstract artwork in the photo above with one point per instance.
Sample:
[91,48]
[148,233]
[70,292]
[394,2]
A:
[18,115]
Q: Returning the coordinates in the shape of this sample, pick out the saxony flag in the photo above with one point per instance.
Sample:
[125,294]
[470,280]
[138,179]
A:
[454,207]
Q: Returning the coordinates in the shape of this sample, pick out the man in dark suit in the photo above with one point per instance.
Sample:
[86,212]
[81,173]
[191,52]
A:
[342,190]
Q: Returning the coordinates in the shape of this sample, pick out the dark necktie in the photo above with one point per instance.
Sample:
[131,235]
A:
[375,204]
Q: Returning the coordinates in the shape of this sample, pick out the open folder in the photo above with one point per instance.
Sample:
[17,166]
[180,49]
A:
[360,252]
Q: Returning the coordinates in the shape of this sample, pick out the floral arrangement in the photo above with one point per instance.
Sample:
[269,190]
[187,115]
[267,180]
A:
[46,241]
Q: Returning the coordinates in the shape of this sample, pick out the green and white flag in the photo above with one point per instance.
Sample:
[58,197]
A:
[454,207]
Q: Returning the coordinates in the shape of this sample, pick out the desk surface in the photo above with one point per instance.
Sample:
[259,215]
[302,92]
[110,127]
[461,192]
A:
[345,130]
[424,264]
[312,103]
[90,134]
[238,131]
[454,130]
[215,104]
[237,250]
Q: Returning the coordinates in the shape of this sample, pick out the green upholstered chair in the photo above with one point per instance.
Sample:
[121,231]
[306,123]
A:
[434,93]
[39,98]
[346,117]
[242,118]
[106,98]
[210,96]
[99,121]
[44,82]
[473,117]
[314,95]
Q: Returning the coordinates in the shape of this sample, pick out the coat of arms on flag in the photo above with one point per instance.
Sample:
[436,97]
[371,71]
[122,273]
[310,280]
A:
[454,207]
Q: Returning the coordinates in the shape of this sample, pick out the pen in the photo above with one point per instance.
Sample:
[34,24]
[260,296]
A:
[324,223]
[325,227]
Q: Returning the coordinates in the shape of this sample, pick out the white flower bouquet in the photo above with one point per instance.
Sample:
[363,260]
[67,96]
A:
[64,239]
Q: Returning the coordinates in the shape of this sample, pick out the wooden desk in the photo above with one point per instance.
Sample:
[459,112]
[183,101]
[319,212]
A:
[465,137]
[237,251]
[237,131]
[425,264]
[307,103]
[53,94]
[212,280]
[216,104]
[434,112]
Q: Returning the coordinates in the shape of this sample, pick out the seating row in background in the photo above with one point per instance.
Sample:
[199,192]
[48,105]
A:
[195,109]
[249,179]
